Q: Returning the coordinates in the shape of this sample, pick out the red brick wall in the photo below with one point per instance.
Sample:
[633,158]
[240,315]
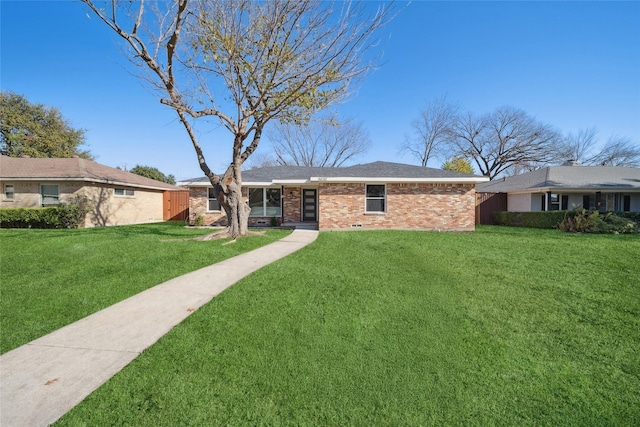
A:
[198,204]
[409,206]
[291,203]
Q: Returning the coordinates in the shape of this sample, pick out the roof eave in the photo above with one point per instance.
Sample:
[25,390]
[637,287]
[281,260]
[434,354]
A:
[452,180]
[77,179]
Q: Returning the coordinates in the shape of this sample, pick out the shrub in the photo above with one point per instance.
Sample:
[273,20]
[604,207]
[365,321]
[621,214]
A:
[68,215]
[584,221]
[546,219]
[274,222]
[199,222]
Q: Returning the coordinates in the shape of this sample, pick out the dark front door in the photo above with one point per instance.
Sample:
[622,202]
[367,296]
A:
[309,205]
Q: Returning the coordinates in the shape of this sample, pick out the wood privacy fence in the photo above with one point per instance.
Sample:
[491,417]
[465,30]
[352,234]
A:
[487,204]
[176,205]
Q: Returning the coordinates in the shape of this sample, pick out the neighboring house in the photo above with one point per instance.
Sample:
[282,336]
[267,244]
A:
[116,197]
[605,188]
[369,196]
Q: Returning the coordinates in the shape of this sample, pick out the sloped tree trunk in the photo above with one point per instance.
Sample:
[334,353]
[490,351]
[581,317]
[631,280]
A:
[237,210]
[228,191]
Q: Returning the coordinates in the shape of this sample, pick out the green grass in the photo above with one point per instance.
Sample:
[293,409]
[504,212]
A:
[389,328]
[51,278]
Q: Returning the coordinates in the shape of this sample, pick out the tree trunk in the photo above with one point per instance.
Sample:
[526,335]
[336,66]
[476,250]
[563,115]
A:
[228,191]
[237,211]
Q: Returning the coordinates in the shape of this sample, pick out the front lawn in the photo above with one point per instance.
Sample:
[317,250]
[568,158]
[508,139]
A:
[389,328]
[50,278]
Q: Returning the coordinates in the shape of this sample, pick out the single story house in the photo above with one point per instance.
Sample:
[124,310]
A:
[116,197]
[606,188]
[368,196]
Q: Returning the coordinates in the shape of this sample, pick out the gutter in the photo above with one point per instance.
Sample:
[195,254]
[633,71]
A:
[93,180]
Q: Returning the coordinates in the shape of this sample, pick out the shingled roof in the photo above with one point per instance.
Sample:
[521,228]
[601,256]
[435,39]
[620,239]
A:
[72,169]
[376,171]
[567,177]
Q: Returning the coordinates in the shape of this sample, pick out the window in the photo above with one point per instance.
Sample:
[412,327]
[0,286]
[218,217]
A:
[554,202]
[626,203]
[124,192]
[9,192]
[375,199]
[586,202]
[265,202]
[49,194]
[213,204]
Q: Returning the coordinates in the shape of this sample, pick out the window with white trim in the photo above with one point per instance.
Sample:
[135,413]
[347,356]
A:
[9,192]
[213,205]
[376,198]
[49,194]
[265,202]
[124,192]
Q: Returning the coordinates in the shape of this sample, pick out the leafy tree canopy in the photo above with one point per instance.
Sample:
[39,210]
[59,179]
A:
[36,130]
[458,164]
[153,173]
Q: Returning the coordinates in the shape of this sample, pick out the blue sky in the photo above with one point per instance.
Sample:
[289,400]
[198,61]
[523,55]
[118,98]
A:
[570,64]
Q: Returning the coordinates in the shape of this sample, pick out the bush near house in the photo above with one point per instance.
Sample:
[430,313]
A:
[68,215]
[585,221]
[575,221]
[546,220]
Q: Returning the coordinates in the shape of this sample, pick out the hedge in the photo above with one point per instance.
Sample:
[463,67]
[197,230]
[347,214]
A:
[543,219]
[61,216]
[613,222]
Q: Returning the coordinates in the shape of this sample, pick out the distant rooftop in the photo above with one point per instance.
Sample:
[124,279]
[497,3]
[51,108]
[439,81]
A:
[72,169]
[567,177]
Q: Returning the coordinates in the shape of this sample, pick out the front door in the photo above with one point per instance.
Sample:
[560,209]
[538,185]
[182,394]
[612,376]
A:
[309,205]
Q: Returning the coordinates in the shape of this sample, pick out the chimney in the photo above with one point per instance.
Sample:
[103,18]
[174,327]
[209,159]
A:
[572,163]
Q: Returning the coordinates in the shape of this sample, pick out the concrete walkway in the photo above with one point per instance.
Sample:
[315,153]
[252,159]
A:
[44,379]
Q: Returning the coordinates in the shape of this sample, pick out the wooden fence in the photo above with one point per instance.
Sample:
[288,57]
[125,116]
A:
[487,204]
[176,205]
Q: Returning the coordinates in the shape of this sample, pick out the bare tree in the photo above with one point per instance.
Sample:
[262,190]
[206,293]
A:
[279,59]
[324,143]
[260,159]
[504,139]
[578,146]
[432,130]
[618,151]
[581,147]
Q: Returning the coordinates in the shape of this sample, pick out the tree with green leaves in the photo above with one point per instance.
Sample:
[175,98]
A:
[458,164]
[36,130]
[244,63]
[153,173]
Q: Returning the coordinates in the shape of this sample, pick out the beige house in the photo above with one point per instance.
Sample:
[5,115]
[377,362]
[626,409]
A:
[116,197]
[370,196]
[552,188]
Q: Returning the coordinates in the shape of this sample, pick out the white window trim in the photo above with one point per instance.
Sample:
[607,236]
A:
[13,193]
[124,191]
[209,201]
[366,198]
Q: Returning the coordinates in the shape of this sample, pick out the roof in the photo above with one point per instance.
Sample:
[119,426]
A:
[73,169]
[567,178]
[369,172]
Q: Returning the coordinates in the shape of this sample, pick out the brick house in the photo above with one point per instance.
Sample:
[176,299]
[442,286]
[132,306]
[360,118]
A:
[369,196]
[117,197]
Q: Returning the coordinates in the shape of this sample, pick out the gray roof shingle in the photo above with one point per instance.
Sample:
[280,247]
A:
[375,170]
[74,169]
[567,177]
